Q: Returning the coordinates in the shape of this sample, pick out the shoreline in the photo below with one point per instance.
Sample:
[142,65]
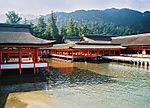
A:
[32,99]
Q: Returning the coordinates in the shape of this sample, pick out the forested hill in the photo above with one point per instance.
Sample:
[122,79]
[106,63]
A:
[108,22]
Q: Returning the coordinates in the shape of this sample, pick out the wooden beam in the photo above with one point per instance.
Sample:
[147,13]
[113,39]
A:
[17,51]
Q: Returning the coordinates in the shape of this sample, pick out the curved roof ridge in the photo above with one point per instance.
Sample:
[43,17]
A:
[21,38]
[131,36]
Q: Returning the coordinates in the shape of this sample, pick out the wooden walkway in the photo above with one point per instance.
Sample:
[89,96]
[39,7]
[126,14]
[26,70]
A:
[134,60]
[78,54]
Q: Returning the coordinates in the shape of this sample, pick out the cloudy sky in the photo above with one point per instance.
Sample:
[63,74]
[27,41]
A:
[41,7]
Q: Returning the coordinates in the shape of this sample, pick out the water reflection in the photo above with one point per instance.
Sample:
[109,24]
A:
[62,66]
[78,77]
[12,77]
[95,85]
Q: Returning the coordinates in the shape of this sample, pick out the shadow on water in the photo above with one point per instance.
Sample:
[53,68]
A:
[12,82]
[100,60]
[3,99]
[78,77]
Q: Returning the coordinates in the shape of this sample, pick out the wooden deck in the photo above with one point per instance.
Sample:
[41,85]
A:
[134,60]
[76,56]
[81,53]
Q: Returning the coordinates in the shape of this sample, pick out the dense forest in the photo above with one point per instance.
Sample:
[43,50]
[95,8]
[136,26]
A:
[113,21]
[105,22]
[135,21]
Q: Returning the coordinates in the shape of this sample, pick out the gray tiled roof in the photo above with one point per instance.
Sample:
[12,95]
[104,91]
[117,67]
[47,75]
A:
[20,38]
[18,34]
[140,39]
[87,46]
[98,37]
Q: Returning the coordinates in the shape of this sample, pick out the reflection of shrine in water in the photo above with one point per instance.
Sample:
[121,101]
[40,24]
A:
[65,73]
[62,66]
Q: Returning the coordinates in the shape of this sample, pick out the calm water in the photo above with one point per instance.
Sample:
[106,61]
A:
[99,85]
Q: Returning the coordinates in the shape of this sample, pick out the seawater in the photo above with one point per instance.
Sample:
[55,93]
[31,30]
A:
[99,85]
[86,85]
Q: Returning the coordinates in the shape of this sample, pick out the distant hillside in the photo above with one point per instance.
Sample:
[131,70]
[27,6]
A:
[136,21]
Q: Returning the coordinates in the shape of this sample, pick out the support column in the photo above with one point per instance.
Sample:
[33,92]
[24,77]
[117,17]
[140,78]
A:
[0,62]
[0,59]
[35,59]
[109,52]
[72,55]
[67,55]
[114,52]
[119,52]
[90,53]
[97,52]
[36,55]
[20,60]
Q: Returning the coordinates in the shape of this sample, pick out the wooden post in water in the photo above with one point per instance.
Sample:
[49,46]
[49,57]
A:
[138,63]
[145,64]
[134,62]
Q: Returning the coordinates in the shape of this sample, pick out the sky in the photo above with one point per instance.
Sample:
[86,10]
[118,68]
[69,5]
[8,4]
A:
[42,7]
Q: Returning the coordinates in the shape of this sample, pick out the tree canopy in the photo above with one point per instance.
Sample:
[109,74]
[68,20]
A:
[49,27]
[12,17]
[52,25]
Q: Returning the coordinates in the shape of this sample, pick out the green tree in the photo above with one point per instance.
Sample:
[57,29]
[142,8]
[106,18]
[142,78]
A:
[40,28]
[63,31]
[47,32]
[76,29]
[12,17]
[25,21]
[32,28]
[71,28]
[53,27]
[85,30]
[41,23]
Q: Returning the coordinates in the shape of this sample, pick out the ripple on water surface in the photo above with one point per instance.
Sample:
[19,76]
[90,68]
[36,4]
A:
[94,85]
[105,85]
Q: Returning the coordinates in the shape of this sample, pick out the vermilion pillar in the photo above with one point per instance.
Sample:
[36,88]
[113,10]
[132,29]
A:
[35,59]
[97,52]
[0,59]
[72,53]
[20,60]
[109,52]
[36,55]
[119,52]
[114,52]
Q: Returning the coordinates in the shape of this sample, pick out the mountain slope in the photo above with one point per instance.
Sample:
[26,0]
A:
[137,21]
